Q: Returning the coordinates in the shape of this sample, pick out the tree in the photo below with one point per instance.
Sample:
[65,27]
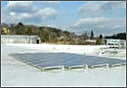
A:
[53,37]
[28,31]
[117,36]
[20,29]
[99,42]
[85,35]
[92,35]
[100,36]
[20,24]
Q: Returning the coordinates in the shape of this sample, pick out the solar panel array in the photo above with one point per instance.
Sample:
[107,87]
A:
[42,60]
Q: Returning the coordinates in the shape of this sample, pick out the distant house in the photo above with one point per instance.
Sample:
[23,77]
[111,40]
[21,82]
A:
[5,30]
[32,39]
[116,43]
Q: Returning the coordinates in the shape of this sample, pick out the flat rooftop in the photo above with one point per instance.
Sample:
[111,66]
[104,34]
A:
[15,73]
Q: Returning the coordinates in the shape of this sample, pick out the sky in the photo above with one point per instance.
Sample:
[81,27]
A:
[103,17]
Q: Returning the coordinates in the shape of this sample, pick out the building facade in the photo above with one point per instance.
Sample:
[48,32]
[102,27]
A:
[32,39]
[116,43]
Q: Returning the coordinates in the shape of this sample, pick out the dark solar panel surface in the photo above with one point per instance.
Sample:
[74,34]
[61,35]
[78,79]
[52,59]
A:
[65,59]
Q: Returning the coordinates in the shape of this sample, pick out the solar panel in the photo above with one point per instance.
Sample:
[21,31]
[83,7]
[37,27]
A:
[54,60]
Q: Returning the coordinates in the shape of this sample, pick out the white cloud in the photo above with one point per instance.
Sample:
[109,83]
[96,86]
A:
[46,12]
[20,6]
[117,26]
[19,3]
[99,25]
[91,20]
[101,17]
[12,13]
[26,11]
[92,9]
[114,4]
[50,1]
